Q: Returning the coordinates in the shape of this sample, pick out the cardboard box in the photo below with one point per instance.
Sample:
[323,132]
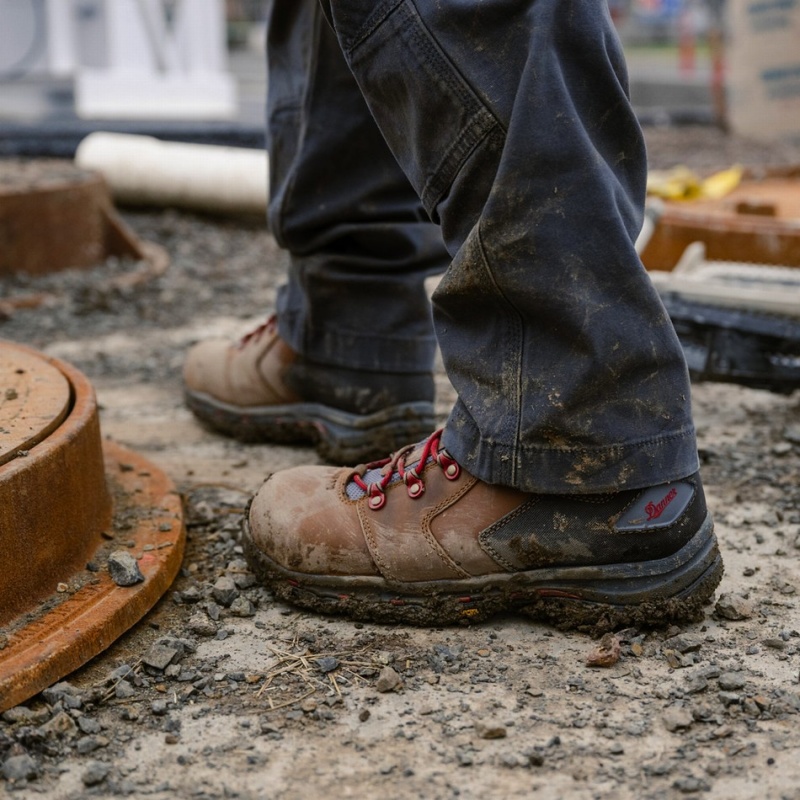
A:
[763,85]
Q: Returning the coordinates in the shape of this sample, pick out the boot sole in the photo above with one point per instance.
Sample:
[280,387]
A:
[338,436]
[594,599]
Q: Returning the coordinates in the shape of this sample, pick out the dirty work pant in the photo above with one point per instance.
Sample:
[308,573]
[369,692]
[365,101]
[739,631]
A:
[510,120]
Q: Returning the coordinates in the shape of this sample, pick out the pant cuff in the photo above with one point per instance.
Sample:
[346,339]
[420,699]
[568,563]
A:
[599,470]
[354,350]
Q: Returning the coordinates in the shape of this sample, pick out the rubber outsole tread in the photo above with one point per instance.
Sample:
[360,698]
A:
[563,608]
[337,436]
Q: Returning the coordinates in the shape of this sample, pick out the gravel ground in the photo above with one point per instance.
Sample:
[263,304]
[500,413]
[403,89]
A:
[222,692]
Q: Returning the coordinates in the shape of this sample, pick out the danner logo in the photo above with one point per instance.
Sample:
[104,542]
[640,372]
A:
[655,510]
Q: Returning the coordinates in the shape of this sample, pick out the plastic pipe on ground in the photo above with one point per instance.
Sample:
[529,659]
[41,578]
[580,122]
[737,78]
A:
[142,170]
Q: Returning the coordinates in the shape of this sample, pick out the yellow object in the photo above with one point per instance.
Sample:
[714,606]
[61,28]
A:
[721,183]
[681,183]
[678,183]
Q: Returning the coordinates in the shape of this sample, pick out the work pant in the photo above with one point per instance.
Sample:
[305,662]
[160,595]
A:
[495,139]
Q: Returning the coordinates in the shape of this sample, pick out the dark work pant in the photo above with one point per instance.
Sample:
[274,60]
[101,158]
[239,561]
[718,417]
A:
[510,119]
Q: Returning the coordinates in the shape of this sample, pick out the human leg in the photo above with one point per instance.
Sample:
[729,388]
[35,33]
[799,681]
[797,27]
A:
[521,141]
[350,360]
[572,433]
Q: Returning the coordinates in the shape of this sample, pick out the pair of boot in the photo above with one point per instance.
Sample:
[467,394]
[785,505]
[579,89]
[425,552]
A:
[414,537]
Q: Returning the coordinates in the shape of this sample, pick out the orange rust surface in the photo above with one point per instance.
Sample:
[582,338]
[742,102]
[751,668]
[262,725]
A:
[729,232]
[71,627]
[52,227]
[34,400]
[54,502]
[64,222]
[67,501]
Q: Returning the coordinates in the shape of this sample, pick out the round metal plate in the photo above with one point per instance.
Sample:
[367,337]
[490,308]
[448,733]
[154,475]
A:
[67,501]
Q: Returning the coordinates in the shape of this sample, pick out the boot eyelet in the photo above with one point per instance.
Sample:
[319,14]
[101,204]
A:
[452,471]
[377,501]
[415,489]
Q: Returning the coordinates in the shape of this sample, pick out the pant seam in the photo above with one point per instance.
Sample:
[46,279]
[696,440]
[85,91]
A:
[374,21]
[454,158]
[517,334]
[307,93]
[480,119]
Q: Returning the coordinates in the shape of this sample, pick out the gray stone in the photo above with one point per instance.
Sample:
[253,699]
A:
[388,681]
[159,656]
[129,714]
[242,607]
[191,595]
[124,569]
[734,607]
[62,691]
[95,773]
[61,725]
[245,581]
[159,707]
[676,719]
[327,663]
[20,768]
[695,684]
[684,643]
[124,690]
[88,725]
[731,681]
[201,625]
[88,744]
[17,715]
[225,591]
[690,785]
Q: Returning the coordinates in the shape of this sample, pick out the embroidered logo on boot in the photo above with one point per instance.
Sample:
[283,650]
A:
[657,507]
[655,510]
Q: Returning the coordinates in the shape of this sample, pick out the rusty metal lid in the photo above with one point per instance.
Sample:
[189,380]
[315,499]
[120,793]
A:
[68,501]
[34,401]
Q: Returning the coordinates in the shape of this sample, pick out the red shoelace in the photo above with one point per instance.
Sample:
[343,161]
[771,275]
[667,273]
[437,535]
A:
[253,336]
[396,464]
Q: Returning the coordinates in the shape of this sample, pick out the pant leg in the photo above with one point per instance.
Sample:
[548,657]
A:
[360,244]
[512,121]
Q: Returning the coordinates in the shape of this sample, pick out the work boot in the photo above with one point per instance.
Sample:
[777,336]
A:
[417,539]
[260,390]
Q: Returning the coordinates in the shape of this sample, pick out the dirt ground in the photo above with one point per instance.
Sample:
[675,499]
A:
[259,700]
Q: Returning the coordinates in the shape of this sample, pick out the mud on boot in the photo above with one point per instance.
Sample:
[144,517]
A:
[417,539]
[260,390]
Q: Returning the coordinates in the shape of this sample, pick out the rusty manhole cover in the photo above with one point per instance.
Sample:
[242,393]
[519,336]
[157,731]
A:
[68,501]
[54,216]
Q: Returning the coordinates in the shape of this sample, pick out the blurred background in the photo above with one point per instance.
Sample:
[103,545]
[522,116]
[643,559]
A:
[194,69]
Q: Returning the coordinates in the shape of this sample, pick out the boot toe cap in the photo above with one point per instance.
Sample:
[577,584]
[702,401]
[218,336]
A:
[302,522]
[205,368]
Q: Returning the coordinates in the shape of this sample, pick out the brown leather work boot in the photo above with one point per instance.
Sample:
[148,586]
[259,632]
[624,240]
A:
[417,539]
[260,390]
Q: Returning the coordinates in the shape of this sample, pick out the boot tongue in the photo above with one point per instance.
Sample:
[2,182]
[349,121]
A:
[375,474]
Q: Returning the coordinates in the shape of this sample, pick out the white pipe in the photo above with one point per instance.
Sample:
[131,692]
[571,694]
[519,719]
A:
[141,170]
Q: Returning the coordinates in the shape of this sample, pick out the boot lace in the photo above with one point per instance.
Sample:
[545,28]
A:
[394,469]
[253,336]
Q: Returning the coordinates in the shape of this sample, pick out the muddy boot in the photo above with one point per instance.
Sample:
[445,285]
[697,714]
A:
[260,390]
[417,539]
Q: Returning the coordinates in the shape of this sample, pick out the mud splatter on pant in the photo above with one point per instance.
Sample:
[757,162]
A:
[512,128]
